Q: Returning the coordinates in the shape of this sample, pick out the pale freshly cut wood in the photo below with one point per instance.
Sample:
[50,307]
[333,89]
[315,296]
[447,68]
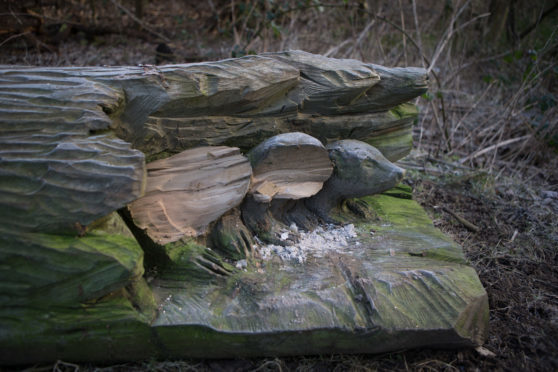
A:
[187,191]
[288,166]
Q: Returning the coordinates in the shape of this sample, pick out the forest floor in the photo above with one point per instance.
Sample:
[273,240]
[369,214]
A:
[506,223]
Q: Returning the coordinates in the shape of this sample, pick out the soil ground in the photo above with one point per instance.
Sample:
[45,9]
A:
[513,243]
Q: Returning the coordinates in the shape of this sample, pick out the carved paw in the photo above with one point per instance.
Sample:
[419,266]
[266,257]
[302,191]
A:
[231,237]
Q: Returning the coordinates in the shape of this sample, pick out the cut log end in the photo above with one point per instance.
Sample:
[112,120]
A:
[289,166]
[188,191]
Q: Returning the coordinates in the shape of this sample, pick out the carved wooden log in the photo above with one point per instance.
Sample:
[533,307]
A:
[327,86]
[236,102]
[73,147]
[293,109]
[345,86]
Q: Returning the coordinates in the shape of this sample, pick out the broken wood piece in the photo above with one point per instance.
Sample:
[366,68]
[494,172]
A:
[484,352]
[187,191]
[288,166]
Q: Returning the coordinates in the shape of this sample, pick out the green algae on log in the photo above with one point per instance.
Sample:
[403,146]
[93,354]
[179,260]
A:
[404,286]
[375,286]
[41,269]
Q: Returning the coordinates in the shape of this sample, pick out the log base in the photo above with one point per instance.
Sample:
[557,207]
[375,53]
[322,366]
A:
[399,284]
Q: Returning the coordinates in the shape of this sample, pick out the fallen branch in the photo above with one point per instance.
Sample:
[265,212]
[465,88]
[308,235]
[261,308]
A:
[14,37]
[461,220]
[493,147]
[529,29]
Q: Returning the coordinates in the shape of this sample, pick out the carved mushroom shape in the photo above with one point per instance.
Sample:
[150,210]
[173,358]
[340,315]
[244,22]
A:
[286,167]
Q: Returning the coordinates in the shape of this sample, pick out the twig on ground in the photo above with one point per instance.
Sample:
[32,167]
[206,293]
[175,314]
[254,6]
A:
[485,352]
[460,219]
[493,147]
[14,37]
[270,363]
[420,168]
[436,363]
[451,164]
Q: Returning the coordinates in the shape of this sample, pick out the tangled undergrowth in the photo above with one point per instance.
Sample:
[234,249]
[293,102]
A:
[486,166]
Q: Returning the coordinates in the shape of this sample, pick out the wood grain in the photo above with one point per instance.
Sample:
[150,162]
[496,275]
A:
[289,166]
[189,190]
[56,173]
